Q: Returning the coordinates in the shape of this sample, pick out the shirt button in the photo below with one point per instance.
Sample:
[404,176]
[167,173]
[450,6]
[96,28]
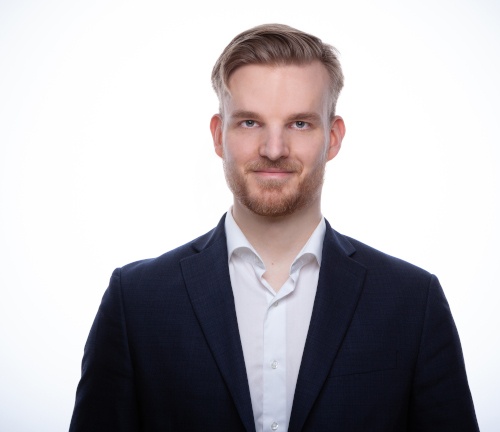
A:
[276,303]
[274,426]
[274,364]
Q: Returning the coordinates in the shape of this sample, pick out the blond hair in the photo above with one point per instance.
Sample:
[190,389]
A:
[276,45]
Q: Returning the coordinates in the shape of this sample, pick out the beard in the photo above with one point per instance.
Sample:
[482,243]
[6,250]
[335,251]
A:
[273,197]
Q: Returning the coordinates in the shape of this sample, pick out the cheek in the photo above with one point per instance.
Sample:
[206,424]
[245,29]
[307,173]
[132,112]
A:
[238,150]
[312,154]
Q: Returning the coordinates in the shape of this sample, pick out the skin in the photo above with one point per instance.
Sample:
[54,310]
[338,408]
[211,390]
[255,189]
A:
[275,139]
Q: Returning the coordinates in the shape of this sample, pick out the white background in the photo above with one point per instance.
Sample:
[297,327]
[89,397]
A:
[106,158]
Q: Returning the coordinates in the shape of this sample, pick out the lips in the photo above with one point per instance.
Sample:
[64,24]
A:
[274,175]
[275,171]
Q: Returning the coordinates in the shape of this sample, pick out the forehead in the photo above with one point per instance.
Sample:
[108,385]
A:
[278,90]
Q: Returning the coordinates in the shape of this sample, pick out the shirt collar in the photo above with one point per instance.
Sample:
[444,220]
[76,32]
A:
[314,245]
[236,240]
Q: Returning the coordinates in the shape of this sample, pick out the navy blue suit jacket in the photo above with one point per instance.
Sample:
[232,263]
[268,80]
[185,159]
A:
[164,353]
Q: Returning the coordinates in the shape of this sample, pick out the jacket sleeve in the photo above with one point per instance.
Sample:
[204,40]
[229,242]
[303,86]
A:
[441,399]
[105,397]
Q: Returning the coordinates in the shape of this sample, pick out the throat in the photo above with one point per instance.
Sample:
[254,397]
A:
[277,274]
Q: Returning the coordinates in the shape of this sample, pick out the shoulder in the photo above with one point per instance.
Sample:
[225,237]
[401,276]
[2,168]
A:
[168,262]
[381,269]
[389,284]
[143,285]
[168,265]
[374,259]
[368,256]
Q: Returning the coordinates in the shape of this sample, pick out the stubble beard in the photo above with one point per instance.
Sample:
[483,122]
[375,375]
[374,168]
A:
[271,197]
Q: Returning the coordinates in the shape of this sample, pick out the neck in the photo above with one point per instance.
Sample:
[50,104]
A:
[278,239]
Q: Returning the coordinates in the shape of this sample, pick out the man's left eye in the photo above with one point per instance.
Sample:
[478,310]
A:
[300,124]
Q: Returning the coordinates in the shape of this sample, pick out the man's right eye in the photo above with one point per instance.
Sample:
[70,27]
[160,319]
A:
[248,123]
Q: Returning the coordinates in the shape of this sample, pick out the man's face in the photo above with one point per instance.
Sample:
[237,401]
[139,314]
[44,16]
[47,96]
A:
[276,136]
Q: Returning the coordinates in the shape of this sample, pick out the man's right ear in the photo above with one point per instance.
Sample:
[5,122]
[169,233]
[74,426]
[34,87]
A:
[216,129]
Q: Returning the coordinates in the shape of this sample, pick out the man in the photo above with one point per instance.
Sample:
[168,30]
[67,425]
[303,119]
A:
[274,321]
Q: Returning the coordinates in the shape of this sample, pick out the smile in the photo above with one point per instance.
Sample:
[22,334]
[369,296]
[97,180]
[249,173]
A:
[273,173]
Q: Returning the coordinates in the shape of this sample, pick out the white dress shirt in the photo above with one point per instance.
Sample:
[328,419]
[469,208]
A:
[273,325]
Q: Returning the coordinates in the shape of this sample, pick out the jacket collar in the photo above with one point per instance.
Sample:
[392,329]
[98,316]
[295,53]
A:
[340,285]
[206,275]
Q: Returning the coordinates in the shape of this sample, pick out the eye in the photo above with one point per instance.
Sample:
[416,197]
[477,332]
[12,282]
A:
[299,124]
[249,123]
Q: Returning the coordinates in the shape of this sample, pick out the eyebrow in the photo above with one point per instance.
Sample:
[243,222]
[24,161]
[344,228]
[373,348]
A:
[241,114]
[306,116]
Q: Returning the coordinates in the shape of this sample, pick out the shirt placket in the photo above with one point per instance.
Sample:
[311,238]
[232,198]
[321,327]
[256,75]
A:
[274,361]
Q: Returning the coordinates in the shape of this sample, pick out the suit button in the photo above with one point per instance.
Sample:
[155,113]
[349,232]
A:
[274,426]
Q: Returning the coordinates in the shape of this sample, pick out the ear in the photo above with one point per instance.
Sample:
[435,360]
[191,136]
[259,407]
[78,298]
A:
[216,129]
[337,132]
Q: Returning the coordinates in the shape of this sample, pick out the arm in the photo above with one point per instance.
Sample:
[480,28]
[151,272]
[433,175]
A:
[441,399]
[105,398]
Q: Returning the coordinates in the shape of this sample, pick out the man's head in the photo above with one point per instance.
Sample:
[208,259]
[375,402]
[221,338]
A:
[275,45]
[276,128]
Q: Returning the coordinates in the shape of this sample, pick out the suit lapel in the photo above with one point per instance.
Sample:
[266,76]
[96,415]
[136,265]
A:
[209,287]
[339,287]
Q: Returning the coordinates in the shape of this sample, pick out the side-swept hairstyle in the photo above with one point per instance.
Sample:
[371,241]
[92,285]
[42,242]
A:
[276,45]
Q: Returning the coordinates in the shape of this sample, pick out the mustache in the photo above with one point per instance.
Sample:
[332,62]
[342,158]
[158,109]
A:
[280,164]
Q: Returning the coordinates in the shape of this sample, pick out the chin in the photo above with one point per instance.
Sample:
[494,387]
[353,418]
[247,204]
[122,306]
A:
[275,204]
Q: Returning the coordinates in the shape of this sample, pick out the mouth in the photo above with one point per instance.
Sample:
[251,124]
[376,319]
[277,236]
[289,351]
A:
[273,173]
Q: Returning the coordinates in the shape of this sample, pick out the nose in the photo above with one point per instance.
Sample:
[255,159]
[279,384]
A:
[274,145]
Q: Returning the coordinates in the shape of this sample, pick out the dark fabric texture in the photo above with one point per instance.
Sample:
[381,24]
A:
[382,352]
